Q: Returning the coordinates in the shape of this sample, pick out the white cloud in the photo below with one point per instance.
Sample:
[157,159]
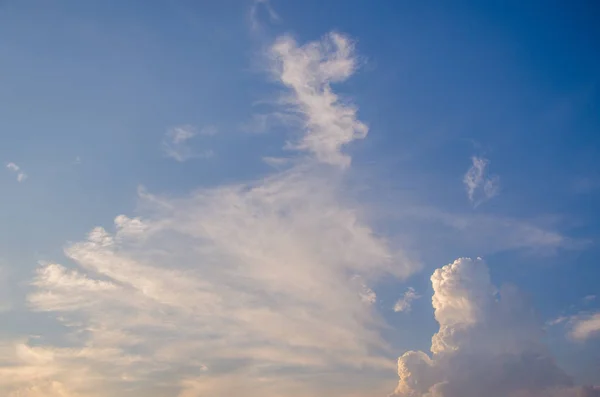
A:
[308,72]
[480,187]
[21,175]
[489,343]
[176,145]
[404,304]
[585,327]
[257,273]
[257,288]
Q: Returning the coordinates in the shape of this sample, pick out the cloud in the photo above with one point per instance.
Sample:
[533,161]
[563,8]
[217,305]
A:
[261,123]
[21,175]
[258,274]
[489,343]
[584,327]
[404,304]
[175,144]
[308,71]
[13,167]
[480,187]
[474,233]
[257,5]
[258,288]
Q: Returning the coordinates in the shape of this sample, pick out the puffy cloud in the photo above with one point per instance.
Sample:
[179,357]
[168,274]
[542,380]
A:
[308,71]
[21,175]
[489,343]
[176,140]
[480,187]
[404,304]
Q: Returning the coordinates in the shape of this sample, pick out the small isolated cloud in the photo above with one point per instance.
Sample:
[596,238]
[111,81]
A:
[488,344]
[308,71]
[480,186]
[176,145]
[21,175]
[585,326]
[404,304]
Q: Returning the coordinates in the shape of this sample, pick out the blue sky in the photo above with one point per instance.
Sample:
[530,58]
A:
[209,198]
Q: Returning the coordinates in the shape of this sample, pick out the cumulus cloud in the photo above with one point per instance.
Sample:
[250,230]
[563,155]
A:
[308,71]
[176,145]
[404,304]
[489,343]
[21,175]
[480,186]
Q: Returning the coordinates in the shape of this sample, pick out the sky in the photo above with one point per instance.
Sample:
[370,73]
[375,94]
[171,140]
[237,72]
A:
[299,198]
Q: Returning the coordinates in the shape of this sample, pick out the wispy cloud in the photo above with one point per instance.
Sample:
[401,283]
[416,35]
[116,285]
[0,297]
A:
[589,298]
[584,327]
[176,142]
[261,123]
[486,341]
[21,175]
[404,304]
[480,186]
[308,72]
[256,8]
[232,289]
